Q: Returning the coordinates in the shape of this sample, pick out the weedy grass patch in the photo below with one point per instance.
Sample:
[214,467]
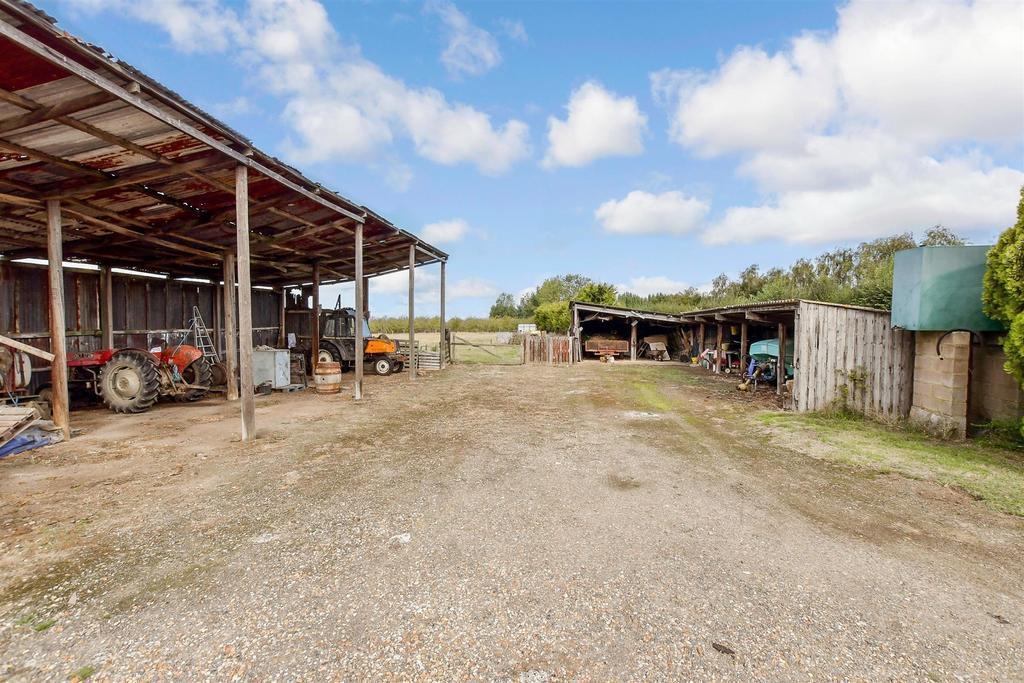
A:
[991,473]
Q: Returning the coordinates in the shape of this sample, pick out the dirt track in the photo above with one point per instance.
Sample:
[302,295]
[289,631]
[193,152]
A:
[517,523]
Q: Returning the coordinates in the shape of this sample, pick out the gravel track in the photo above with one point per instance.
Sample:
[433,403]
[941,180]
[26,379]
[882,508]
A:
[492,523]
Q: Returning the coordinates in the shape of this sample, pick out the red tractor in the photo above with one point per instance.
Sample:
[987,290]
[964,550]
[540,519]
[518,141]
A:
[131,380]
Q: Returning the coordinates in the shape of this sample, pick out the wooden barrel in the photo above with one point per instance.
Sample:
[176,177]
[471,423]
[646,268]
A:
[327,377]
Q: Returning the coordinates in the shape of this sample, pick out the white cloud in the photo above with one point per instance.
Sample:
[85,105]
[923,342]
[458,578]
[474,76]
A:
[194,26]
[471,50]
[599,124]
[339,105]
[471,288]
[655,284]
[641,212]
[514,29]
[962,193]
[935,70]
[755,100]
[876,128]
[428,286]
[369,108]
[445,231]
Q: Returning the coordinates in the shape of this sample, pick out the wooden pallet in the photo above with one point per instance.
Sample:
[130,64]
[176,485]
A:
[14,420]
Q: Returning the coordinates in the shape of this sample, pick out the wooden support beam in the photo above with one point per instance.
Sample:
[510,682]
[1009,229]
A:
[45,113]
[244,303]
[107,307]
[358,390]
[412,311]
[744,346]
[780,383]
[719,342]
[632,340]
[218,319]
[314,317]
[443,348]
[230,333]
[700,340]
[60,409]
[282,332]
[758,317]
[30,350]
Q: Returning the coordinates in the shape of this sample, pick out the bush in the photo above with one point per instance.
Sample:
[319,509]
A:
[553,317]
[1003,296]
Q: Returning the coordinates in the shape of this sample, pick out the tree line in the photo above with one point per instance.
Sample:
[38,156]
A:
[861,275]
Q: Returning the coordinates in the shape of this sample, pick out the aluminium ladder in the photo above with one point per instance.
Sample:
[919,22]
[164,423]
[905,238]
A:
[202,336]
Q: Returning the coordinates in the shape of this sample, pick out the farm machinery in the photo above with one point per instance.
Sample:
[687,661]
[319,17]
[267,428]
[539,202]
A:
[131,380]
[338,343]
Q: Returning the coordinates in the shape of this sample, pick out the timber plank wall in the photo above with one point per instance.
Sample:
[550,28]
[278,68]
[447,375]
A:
[143,309]
[852,356]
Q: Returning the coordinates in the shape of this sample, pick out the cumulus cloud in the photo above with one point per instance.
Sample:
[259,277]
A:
[339,105]
[445,231]
[655,284]
[599,124]
[470,50]
[877,127]
[640,213]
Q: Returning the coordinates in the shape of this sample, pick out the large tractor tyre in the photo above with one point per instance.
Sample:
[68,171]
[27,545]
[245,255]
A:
[329,353]
[199,373]
[383,366]
[129,382]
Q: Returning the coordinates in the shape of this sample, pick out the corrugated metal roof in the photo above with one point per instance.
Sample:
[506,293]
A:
[779,304]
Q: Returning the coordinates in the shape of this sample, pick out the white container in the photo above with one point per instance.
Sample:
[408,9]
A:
[272,366]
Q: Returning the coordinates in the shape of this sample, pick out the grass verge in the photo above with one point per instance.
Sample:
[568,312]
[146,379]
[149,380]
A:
[987,472]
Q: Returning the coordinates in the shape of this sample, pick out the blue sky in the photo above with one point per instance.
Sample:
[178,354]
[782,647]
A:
[652,145]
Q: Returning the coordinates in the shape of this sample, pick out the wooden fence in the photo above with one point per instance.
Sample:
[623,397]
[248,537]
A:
[548,348]
[851,357]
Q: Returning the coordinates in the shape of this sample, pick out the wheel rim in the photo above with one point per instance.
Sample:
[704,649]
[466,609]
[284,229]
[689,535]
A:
[383,366]
[324,356]
[126,382]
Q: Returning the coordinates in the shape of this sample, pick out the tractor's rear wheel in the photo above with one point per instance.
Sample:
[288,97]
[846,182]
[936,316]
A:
[129,382]
[328,353]
[199,373]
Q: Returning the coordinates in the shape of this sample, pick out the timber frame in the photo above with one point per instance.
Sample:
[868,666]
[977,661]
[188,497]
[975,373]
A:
[101,164]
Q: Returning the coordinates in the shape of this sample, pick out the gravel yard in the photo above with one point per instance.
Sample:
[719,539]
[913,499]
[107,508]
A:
[600,522]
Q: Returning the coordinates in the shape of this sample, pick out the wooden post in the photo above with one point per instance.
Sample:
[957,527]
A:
[366,298]
[632,340]
[360,294]
[700,340]
[744,343]
[58,346]
[107,307]
[282,333]
[244,303]
[230,335]
[412,311]
[218,304]
[780,375]
[443,346]
[719,339]
[314,317]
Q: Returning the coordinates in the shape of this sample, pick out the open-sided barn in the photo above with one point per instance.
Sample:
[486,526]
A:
[101,165]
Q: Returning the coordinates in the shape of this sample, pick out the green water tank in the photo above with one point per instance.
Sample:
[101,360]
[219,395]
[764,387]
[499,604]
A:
[939,289]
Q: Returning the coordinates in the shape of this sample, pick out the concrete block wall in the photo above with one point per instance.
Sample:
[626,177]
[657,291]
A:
[995,395]
[941,383]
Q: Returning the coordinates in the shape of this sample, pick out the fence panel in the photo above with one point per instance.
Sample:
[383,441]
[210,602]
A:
[548,348]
